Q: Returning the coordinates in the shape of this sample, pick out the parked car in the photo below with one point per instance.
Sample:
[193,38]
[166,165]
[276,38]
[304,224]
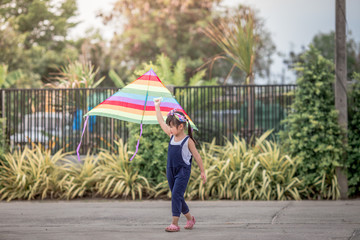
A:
[40,127]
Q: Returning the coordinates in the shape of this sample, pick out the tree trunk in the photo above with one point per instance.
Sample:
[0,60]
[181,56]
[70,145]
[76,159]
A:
[251,108]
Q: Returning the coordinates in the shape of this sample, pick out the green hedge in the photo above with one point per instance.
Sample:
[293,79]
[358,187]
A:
[353,162]
[312,132]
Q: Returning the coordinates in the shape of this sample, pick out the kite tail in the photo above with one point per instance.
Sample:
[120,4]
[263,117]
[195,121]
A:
[137,145]
[78,148]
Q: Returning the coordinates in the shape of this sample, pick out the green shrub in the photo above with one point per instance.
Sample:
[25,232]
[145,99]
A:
[312,132]
[151,157]
[353,162]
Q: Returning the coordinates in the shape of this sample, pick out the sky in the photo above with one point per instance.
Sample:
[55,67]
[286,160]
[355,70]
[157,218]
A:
[292,24]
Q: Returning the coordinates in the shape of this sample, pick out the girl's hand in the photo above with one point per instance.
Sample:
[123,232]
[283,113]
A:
[157,102]
[203,176]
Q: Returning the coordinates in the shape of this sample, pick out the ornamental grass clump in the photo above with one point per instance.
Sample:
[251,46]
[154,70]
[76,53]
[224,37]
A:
[117,177]
[238,171]
[36,174]
[80,178]
[31,174]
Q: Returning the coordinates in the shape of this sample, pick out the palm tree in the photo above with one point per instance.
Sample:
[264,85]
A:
[9,79]
[237,40]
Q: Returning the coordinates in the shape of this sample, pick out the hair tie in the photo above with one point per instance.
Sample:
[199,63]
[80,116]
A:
[178,116]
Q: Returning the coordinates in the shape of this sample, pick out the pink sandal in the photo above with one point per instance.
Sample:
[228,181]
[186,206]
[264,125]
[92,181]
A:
[190,223]
[172,228]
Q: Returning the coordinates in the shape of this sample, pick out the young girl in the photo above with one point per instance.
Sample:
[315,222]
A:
[180,152]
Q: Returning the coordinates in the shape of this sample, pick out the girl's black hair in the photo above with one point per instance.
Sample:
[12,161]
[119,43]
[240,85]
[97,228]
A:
[175,122]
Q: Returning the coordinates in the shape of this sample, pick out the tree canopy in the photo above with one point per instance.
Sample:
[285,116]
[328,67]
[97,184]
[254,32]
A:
[175,28]
[33,35]
[34,38]
[325,43]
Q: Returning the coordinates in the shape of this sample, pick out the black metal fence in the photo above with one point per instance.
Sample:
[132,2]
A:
[243,110]
[53,117]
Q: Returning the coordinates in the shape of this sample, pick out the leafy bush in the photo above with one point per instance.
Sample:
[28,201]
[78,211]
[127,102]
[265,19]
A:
[353,163]
[312,130]
[151,158]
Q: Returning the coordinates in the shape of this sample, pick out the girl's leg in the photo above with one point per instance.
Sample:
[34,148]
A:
[175,220]
[184,206]
[171,180]
[170,177]
[188,216]
[177,196]
[185,209]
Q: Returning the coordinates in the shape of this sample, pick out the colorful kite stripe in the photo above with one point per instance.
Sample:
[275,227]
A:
[135,102]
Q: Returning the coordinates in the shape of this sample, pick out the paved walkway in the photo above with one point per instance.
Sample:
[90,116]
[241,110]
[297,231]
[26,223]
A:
[112,219]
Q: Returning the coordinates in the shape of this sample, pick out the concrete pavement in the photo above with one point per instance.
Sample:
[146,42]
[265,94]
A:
[116,219]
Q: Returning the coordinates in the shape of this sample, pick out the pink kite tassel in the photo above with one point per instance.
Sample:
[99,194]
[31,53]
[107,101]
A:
[137,145]
[78,148]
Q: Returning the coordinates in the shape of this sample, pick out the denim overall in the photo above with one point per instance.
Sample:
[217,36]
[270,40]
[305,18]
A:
[178,174]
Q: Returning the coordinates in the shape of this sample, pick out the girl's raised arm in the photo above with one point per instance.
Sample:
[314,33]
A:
[160,117]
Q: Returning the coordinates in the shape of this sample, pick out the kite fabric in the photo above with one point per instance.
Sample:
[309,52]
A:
[135,103]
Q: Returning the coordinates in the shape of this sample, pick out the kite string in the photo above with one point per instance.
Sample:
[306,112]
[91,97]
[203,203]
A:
[137,145]
[78,148]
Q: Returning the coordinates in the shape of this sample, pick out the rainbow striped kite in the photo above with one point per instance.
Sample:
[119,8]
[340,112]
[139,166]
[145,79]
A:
[135,103]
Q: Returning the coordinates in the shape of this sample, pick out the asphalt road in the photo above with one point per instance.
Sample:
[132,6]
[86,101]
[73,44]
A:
[116,219]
